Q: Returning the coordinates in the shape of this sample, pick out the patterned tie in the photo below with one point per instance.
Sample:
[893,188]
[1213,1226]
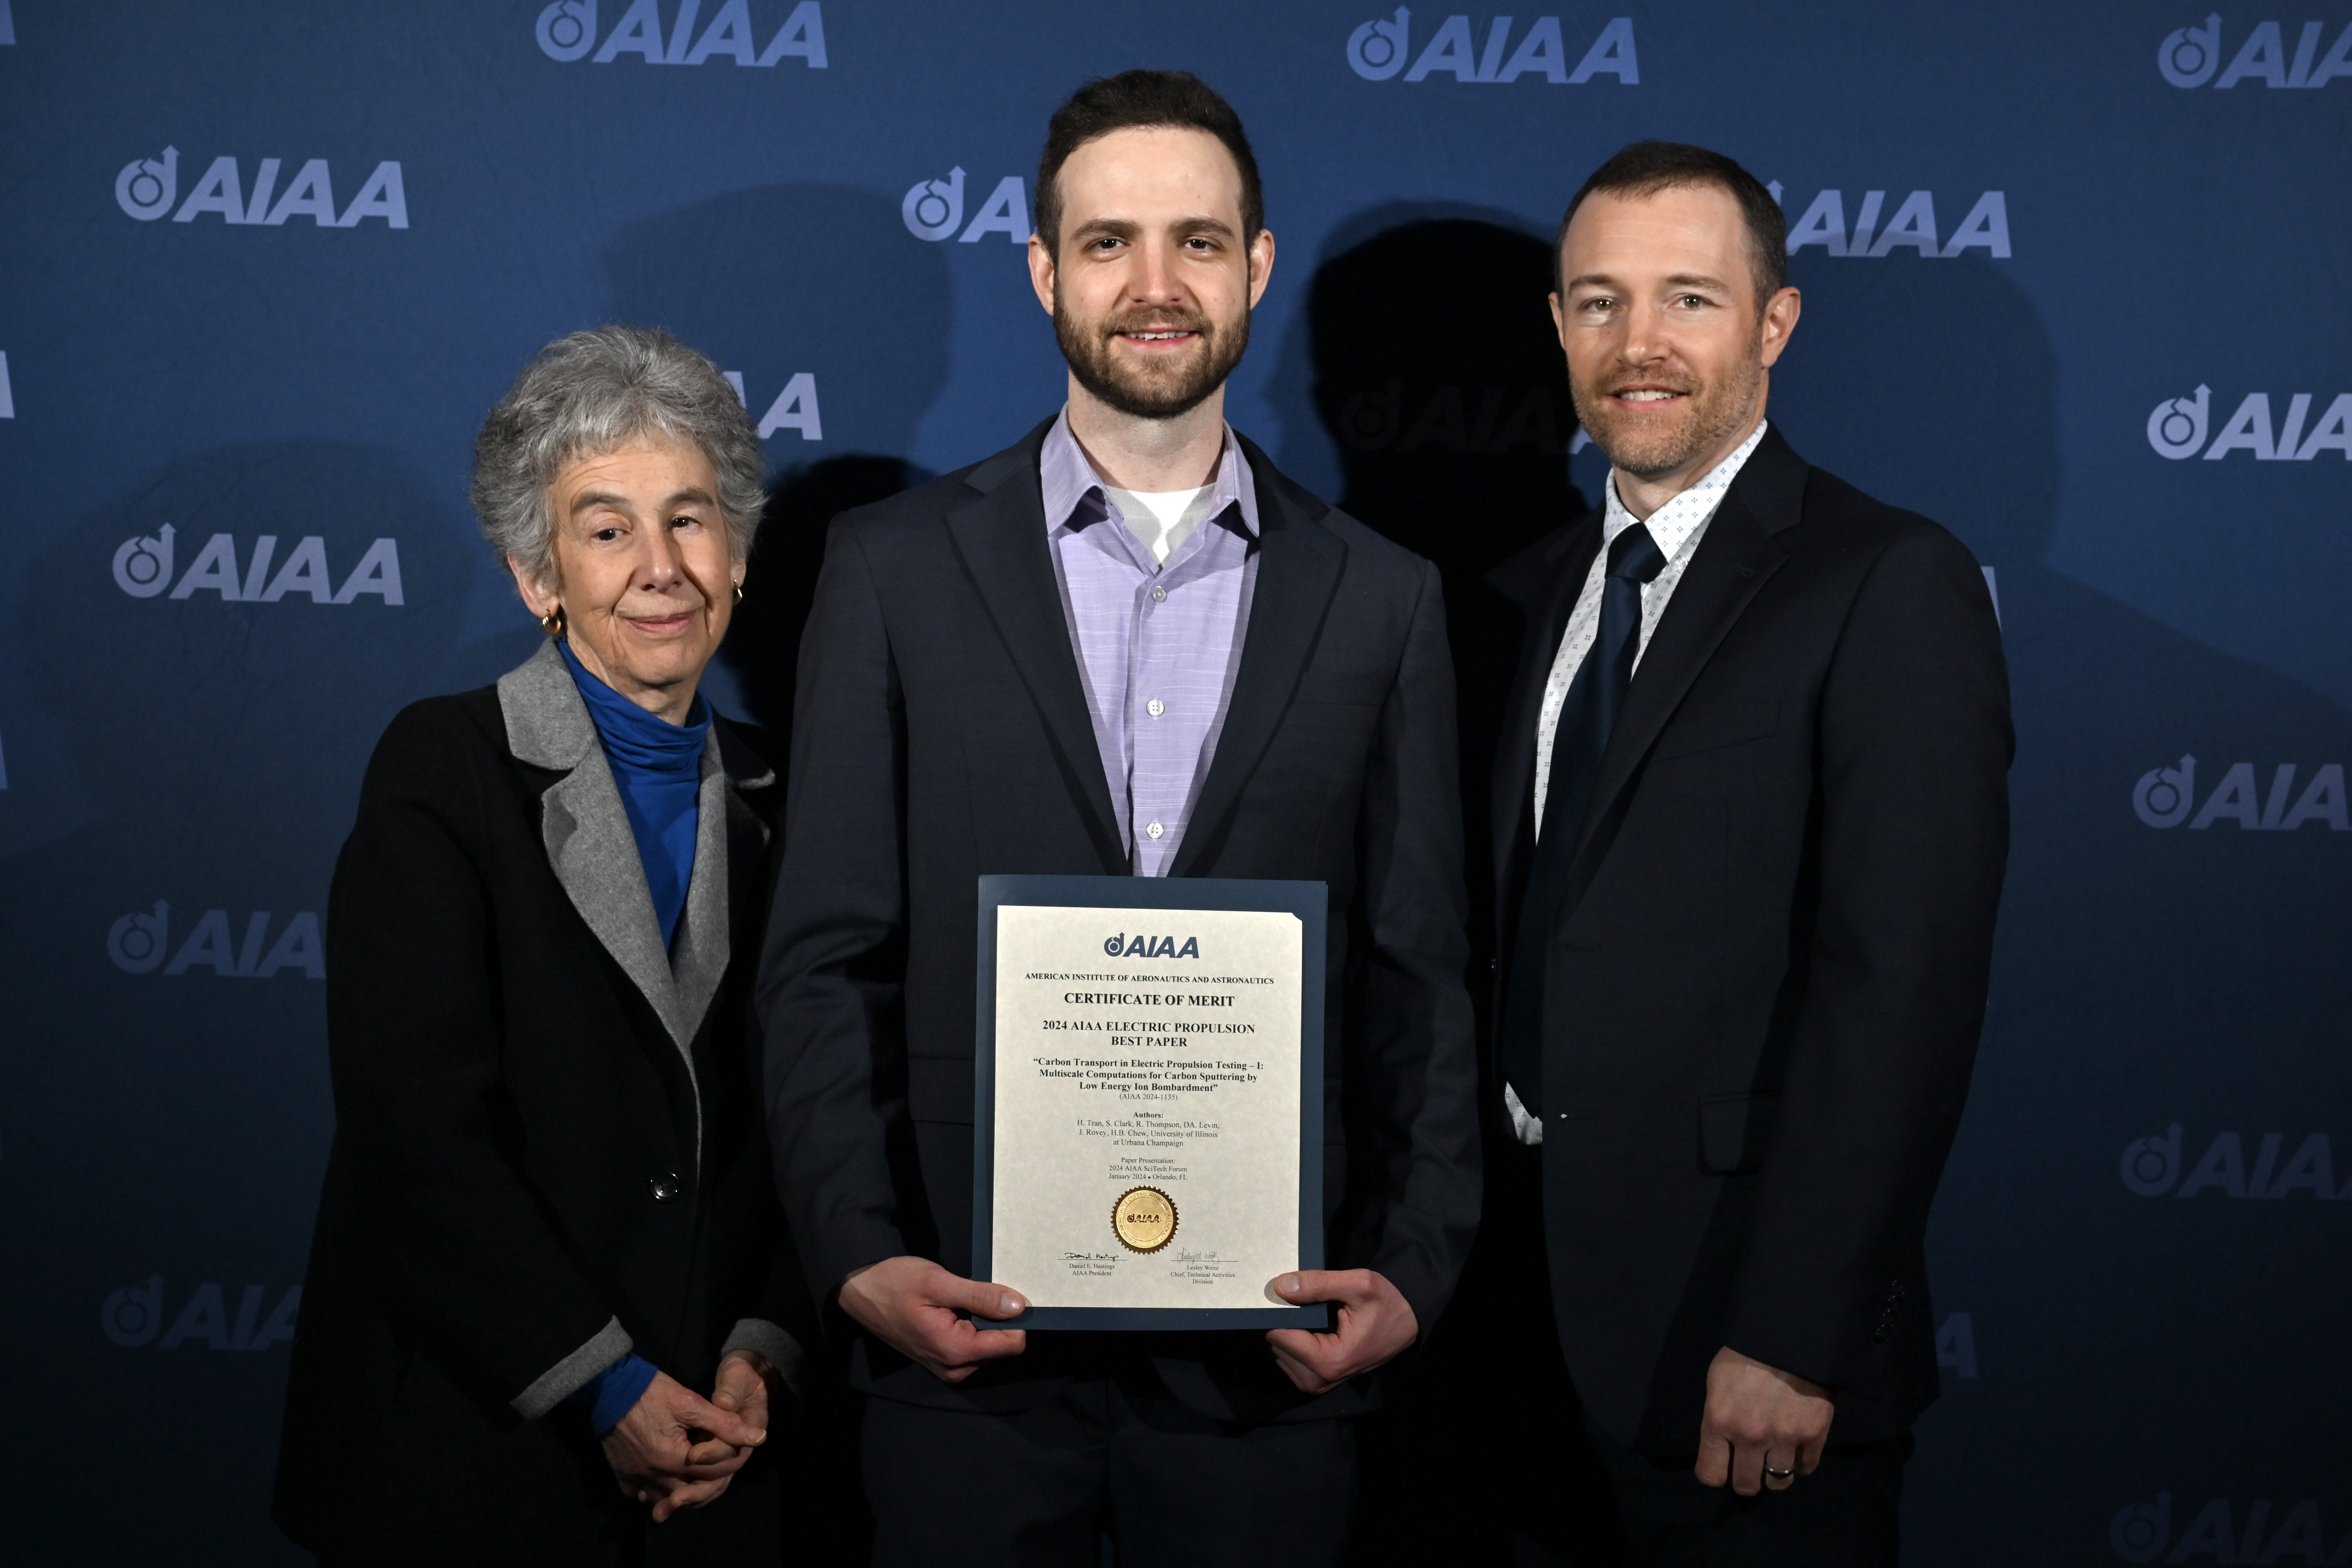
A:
[1586,718]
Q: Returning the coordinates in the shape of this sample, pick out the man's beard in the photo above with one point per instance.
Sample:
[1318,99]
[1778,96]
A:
[1714,413]
[1158,390]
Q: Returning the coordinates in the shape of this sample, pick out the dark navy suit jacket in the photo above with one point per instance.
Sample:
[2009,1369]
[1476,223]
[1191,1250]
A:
[1766,974]
[942,734]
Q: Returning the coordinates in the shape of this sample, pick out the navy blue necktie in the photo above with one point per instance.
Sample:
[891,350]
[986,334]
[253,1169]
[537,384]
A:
[1587,717]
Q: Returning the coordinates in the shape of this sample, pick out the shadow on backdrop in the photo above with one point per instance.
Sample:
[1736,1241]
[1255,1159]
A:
[809,279]
[1933,385]
[763,641]
[1426,354]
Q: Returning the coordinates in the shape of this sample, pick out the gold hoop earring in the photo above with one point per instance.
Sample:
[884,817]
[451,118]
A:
[554,622]
[738,593]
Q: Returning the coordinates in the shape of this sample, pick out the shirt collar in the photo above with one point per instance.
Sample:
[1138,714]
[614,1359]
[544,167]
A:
[1673,524]
[1071,483]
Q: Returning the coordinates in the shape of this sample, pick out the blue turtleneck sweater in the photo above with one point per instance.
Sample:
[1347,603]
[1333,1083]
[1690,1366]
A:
[659,767]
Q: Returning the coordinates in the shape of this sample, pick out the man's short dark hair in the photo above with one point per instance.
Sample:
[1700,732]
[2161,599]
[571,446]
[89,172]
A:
[1645,168]
[1140,99]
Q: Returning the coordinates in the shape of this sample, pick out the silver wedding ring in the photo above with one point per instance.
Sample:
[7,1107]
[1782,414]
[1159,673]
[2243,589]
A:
[1779,1475]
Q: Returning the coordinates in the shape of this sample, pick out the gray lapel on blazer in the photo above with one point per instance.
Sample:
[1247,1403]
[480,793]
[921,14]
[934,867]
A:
[699,957]
[593,850]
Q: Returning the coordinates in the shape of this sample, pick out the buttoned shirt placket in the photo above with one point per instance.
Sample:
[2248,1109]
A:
[1158,645]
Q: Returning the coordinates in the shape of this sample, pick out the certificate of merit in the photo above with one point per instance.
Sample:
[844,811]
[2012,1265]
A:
[1149,1073]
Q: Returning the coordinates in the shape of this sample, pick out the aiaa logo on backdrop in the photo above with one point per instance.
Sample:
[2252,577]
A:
[2141,1531]
[567,32]
[933,209]
[2151,1167]
[2191,57]
[2165,797]
[137,943]
[1373,420]
[143,569]
[147,187]
[132,1317]
[1956,1346]
[795,408]
[1912,227]
[1378,48]
[2177,428]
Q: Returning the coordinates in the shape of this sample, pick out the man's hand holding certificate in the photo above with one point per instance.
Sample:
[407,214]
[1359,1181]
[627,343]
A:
[1147,1087]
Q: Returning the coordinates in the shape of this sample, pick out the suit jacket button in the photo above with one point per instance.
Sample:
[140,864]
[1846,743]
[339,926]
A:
[665,1187]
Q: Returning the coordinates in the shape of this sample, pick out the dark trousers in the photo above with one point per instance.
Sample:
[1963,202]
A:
[1505,1469]
[1047,1486]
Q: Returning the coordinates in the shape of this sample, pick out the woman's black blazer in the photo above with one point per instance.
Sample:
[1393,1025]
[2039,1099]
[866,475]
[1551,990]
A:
[549,1147]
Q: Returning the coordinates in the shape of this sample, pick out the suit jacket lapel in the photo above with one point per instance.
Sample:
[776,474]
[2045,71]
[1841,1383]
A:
[727,839]
[585,829]
[593,850]
[1543,581]
[1298,567]
[1001,536]
[1734,560]
[700,950]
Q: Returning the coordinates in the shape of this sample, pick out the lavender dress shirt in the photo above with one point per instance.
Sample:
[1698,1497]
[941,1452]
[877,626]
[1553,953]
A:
[1158,645]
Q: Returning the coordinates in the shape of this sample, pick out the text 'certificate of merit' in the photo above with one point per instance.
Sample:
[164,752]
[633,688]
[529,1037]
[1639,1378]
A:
[1148,1130]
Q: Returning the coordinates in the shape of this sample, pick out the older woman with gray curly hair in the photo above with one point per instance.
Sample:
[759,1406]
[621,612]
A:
[548,1219]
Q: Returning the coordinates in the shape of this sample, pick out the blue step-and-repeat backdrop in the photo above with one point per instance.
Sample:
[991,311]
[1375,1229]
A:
[2076,285]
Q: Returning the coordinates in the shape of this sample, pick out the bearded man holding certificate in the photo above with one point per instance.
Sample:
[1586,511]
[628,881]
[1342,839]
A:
[1116,691]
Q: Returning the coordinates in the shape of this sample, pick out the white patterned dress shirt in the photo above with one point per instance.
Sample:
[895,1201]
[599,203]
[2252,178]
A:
[1676,528]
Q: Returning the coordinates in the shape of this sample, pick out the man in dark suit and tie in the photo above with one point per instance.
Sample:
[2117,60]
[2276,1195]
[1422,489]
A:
[1126,646]
[1751,817]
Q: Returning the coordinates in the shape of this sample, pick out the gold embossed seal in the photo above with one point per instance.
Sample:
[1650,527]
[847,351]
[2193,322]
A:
[1144,1219]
